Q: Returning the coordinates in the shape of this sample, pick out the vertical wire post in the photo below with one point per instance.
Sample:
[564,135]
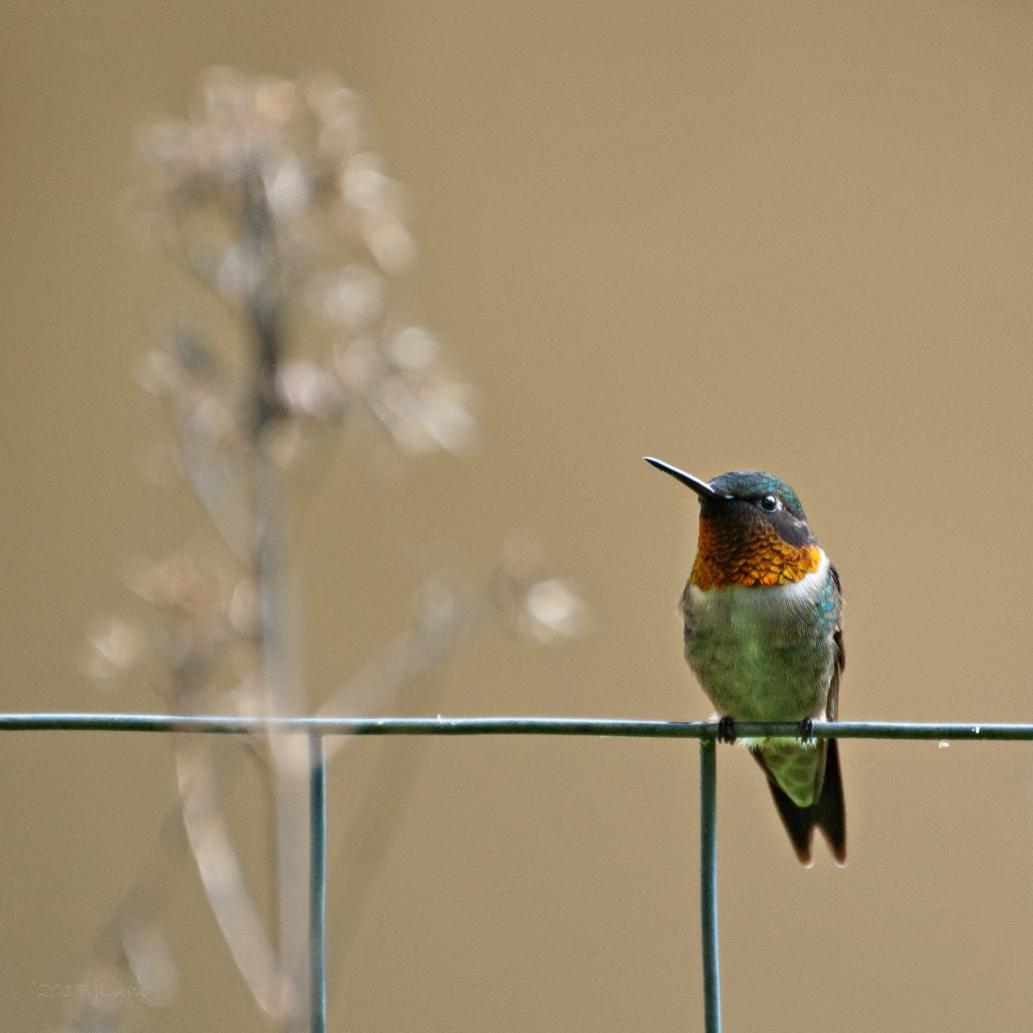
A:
[708,885]
[317,880]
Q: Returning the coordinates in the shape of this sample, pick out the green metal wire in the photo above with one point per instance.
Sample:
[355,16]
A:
[708,884]
[317,881]
[634,728]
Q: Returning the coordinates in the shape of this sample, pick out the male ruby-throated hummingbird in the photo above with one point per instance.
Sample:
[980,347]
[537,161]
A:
[763,637]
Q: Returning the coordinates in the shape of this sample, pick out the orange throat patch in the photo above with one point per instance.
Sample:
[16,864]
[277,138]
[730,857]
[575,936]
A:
[761,558]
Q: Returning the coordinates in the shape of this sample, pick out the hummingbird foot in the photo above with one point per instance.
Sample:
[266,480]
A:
[726,729]
[806,730]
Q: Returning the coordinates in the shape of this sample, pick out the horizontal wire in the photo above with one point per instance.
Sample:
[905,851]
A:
[439,725]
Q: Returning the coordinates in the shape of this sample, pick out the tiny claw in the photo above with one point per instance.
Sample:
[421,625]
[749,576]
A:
[806,730]
[726,729]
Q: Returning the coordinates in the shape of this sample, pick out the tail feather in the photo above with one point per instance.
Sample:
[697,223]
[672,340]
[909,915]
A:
[828,813]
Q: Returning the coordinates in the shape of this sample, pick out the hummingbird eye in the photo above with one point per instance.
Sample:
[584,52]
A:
[770,504]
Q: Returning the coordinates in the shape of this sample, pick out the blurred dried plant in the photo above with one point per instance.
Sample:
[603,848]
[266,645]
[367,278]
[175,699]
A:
[272,200]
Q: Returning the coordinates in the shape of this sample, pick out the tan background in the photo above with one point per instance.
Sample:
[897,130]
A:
[787,236]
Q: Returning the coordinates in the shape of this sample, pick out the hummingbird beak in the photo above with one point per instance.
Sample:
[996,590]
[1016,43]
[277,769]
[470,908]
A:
[701,488]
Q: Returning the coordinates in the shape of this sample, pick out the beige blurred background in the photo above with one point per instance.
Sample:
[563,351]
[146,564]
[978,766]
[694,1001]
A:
[787,236]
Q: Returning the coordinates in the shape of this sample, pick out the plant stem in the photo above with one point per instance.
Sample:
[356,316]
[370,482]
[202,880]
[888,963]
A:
[278,627]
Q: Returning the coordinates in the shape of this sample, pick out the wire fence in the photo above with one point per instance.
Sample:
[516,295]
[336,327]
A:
[317,729]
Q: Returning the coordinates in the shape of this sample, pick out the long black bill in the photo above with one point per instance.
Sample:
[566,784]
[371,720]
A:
[701,488]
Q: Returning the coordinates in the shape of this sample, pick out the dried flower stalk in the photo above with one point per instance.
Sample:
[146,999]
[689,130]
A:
[273,202]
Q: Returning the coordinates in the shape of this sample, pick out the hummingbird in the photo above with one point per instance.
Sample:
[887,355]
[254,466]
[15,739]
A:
[763,637]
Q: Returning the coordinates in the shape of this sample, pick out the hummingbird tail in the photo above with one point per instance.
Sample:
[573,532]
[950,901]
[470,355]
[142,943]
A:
[827,813]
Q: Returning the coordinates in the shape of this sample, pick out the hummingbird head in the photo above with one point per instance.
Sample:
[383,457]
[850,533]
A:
[752,530]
